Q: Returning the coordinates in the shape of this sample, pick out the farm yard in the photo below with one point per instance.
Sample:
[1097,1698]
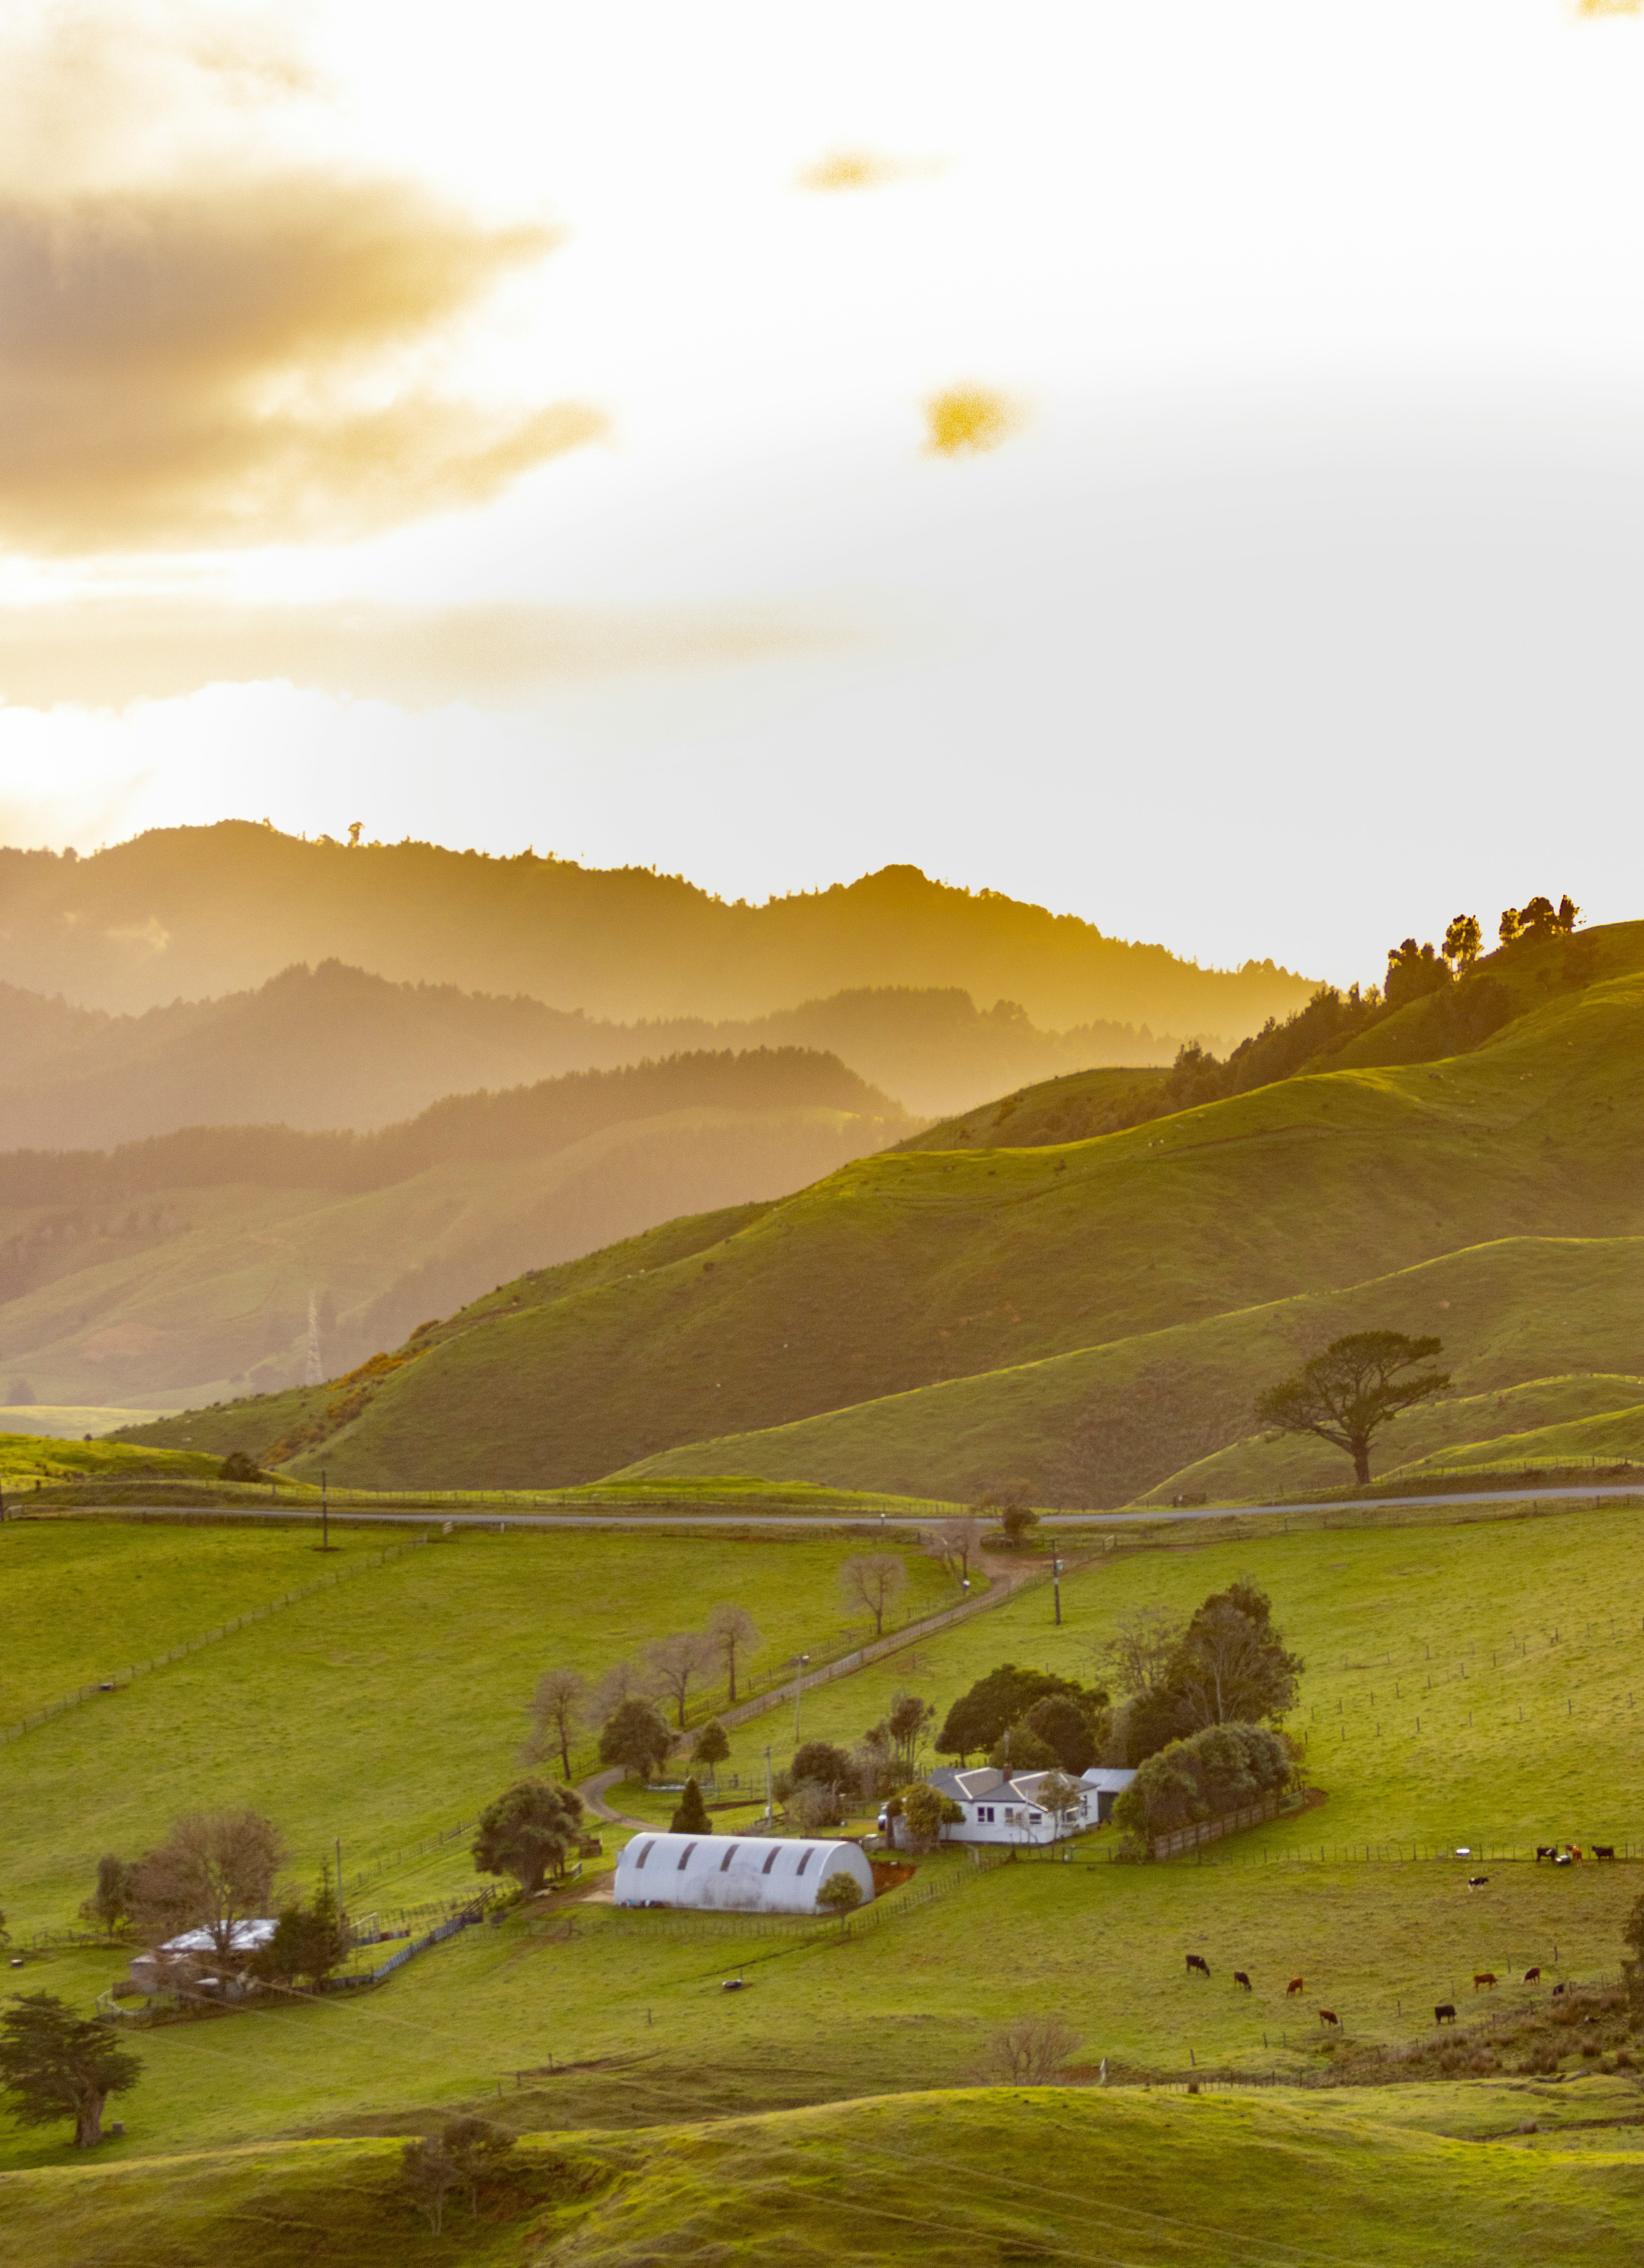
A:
[385,1711]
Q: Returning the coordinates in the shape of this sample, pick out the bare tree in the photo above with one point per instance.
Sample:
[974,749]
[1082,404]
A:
[874,1579]
[1030,2051]
[556,1708]
[214,1871]
[956,1543]
[624,1680]
[1138,1655]
[1059,1795]
[731,1630]
[677,1664]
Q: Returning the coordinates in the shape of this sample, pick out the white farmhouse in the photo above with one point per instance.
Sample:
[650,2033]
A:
[1004,1808]
[193,1959]
[732,1873]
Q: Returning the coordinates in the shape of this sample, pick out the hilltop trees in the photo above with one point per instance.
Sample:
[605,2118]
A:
[1539,919]
[56,2065]
[1355,1387]
[532,1826]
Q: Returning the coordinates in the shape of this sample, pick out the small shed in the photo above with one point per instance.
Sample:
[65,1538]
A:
[195,1958]
[730,1874]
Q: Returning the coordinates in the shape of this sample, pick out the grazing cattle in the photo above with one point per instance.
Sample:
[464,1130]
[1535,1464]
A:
[1574,1849]
[1557,1990]
[1445,2012]
[1477,1882]
[1604,1850]
[1197,1960]
[1533,1976]
[1239,1978]
[1483,1976]
[1295,1985]
[1545,1851]
[1329,2016]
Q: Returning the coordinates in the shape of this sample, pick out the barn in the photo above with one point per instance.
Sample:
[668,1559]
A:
[730,1874]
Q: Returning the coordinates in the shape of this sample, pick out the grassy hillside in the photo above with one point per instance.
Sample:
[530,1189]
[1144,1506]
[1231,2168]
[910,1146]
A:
[908,1270]
[188,911]
[180,1269]
[987,2175]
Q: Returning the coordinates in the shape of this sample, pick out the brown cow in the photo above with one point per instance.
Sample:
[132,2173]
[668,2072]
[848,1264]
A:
[1533,1976]
[1445,2012]
[1239,1978]
[1295,1985]
[1329,2016]
[1483,1976]
[1196,1961]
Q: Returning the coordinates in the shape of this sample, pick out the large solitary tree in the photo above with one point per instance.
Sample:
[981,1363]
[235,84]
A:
[56,2065]
[215,1871]
[533,1826]
[1358,1385]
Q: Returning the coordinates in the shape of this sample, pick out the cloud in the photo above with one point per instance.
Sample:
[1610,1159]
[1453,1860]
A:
[858,169]
[103,653]
[965,420]
[183,364]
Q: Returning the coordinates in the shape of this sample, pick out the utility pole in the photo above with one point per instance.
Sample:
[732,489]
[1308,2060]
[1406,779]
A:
[770,1808]
[325,1514]
[1055,1577]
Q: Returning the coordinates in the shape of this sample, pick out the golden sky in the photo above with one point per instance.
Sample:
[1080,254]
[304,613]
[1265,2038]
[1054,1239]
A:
[1074,451]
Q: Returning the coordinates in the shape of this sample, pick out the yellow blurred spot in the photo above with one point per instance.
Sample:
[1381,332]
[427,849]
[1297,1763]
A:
[1609,7]
[852,169]
[969,418]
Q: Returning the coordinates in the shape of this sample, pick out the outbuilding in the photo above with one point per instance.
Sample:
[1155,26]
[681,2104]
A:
[730,1874]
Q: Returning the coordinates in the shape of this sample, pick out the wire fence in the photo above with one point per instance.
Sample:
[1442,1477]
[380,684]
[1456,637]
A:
[118,1678]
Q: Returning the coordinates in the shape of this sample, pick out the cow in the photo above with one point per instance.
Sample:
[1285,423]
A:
[1604,1850]
[1574,1849]
[1196,1961]
[1445,2012]
[1239,1978]
[1477,1882]
[1295,1985]
[1483,1976]
[1545,1851]
[1329,2016]
[1557,1990]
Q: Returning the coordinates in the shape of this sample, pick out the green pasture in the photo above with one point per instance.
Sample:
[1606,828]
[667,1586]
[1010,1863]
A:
[27,1457]
[69,1421]
[383,1711]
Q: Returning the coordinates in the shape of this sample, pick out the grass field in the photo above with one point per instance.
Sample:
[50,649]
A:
[25,1458]
[379,1712]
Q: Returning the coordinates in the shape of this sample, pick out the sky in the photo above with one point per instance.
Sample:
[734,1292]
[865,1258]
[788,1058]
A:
[1183,465]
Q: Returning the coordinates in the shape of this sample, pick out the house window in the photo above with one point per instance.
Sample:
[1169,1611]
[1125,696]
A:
[985,1811]
[645,1852]
[1034,1817]
[1009,1816]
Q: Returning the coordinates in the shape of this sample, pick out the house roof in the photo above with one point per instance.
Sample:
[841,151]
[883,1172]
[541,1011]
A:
[244,1937]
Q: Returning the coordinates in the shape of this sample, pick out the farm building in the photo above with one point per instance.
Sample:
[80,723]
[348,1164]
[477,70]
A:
[1000,1807]
[193,1958]
[734,1874]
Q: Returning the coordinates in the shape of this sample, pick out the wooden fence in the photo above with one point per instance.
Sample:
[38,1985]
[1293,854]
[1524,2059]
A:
[1231,1822]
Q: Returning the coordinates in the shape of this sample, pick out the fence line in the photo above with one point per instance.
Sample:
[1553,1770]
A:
[118,1678]
[1177,1839]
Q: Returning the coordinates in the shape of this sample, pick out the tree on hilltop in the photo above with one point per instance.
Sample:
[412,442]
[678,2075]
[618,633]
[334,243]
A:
[1462,941]
[1346,1395]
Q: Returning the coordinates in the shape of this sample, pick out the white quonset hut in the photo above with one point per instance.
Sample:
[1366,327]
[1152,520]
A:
[734,1873]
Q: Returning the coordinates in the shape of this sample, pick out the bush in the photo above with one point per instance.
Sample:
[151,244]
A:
[711,1746]
[839,1895]
[1028,2052]
[690,1815]
[236,1466]
[926,1811]
[1212,1773]
[821,1761]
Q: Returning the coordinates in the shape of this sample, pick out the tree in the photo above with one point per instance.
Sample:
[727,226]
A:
[956,1543]
[909,1721]
[533,1826]
[811,1806]
[236,1466]
[690,1814]
[1413,971]
[1462,941]
[731,1630]
[1019,1750]
[839,1895]
[1346,1395]
[556,1706]
[1216,1770]
[477,2150]
[1071,1733]
[1029,2052]
[622,1682]
[927,1812]
[110,1904]
[711,1746]
[427,2178]
[821,1761]
[1059,1795]
[678,1663]
[635,1738]
[56,2065]
[308,1942]
[1539,919]
[1018,1522]
[1139,1651]
[215,1871]
[876,1581]
[1232,1666]
[1001,1699]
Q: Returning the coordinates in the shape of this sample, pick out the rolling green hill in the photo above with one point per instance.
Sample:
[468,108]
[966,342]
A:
[180,1269]
[1167,1272]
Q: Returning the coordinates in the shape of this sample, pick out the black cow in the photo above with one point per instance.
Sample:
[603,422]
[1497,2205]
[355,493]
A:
[1557,1990]
[1604,1850]
[1477,1882]
[1545,1851]
[1196,1961]
[1239,1978]
[1445,2012]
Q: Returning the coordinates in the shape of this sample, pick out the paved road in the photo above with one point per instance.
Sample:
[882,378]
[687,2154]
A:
[413,1517]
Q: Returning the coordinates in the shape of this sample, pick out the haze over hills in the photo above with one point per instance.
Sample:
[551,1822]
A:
[1086,1317]
[181,1267]
[334,1047]
[191,912]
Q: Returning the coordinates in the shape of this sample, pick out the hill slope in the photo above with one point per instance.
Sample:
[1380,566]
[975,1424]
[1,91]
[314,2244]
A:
[191,911]
[902,1271]
[181,1268]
